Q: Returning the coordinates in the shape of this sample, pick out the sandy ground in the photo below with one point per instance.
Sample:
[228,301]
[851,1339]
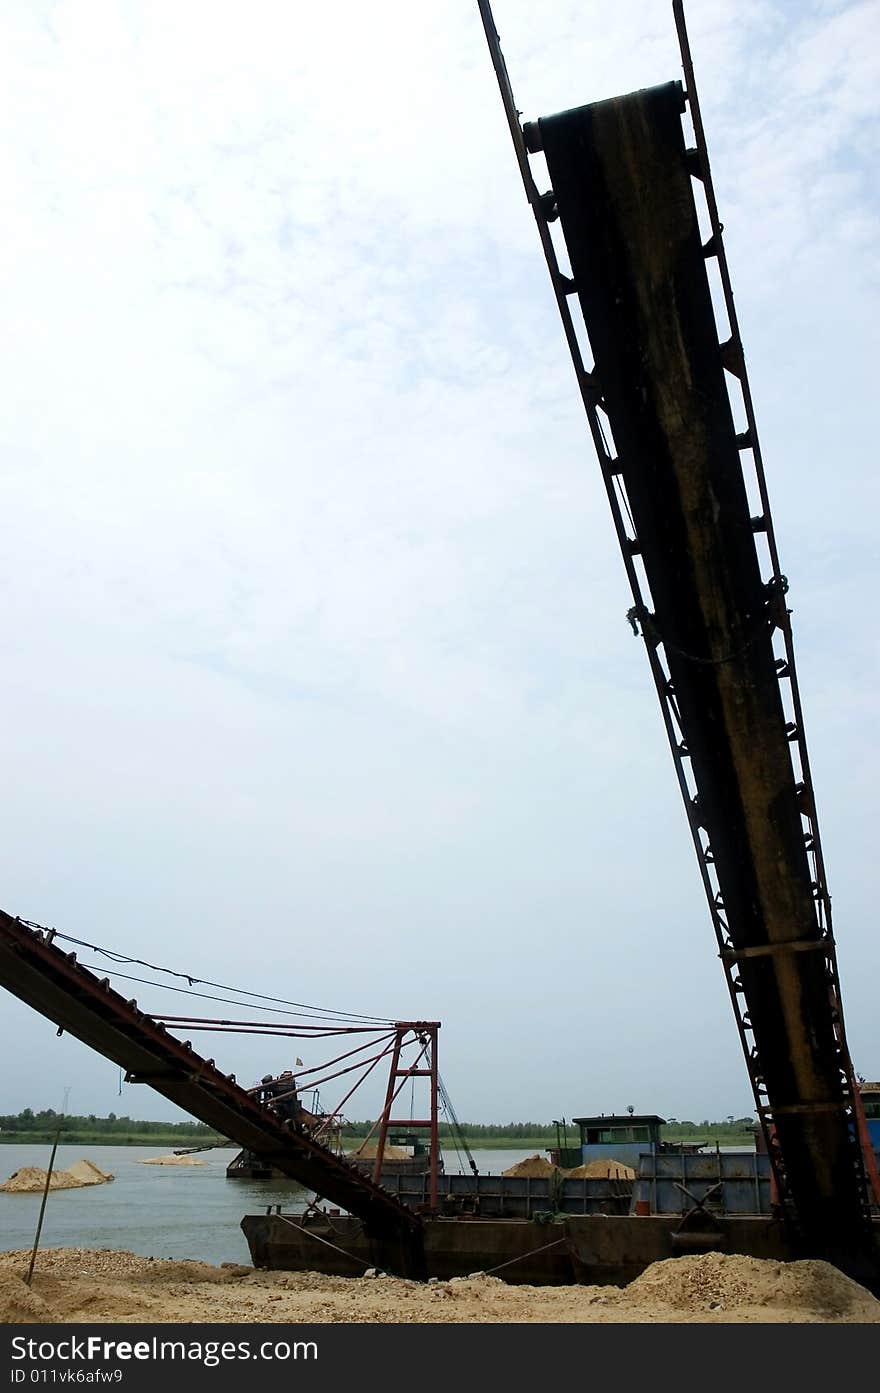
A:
[80,1284]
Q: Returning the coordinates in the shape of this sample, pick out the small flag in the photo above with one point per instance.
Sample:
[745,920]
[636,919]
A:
[298,1060]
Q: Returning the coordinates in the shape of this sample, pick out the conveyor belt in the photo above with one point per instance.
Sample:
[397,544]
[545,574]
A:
[53,983]
[717,631]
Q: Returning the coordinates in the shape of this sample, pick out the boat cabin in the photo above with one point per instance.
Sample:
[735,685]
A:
[620,1137]
[871,1104]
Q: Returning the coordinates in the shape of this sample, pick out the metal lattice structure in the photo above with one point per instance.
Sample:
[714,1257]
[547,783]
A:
[35,970]
[423,1066]
[708,598]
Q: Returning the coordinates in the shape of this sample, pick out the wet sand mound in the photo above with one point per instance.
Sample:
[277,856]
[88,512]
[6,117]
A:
[533,1167]
[171,1161]
[601,1170]
[728,1281]
[31,1180]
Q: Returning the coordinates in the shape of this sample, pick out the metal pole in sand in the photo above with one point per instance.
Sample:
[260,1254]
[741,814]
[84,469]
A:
[42,1209]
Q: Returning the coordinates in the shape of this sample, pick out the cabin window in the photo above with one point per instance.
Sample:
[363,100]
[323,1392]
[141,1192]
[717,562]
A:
[616,1136]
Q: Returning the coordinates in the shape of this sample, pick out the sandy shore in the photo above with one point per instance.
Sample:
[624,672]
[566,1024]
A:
[80,1284]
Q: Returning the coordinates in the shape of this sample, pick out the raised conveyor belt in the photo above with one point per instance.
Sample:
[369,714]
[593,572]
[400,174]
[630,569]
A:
[76,1000]
[622,187]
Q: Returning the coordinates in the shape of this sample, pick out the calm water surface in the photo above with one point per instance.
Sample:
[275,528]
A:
[158,1211]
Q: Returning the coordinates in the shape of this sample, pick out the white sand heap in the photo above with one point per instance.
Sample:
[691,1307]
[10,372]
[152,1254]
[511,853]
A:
[171,1161]
[31,1180]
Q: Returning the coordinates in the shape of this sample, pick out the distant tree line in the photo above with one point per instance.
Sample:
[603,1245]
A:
[46,1122]
[730,1126]
[29,1123]
[544,1131]
[48,1119]
[474,1130]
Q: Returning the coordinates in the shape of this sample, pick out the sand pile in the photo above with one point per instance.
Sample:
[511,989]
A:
[31,1180]
[367,1152]
[601,1170]
[20,1305]
[534,1167]
[171,1161]
[728,1281]
[86,1285]
[87,1173]
[539,1168]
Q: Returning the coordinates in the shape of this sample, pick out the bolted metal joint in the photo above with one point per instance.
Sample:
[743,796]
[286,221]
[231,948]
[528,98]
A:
[547,205]
[534,141]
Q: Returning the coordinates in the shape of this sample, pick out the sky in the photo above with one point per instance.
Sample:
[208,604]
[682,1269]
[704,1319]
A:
[317,672]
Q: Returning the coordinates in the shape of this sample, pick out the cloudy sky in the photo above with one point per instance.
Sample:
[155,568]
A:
[317,674]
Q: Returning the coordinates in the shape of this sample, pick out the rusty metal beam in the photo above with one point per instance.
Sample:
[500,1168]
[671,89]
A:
[621,177]
[672,462]
[73,998]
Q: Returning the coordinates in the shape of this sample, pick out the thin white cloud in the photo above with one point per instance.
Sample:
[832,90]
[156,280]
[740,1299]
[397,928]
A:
[315,618]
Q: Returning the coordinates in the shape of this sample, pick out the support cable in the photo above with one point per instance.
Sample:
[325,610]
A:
[192,979]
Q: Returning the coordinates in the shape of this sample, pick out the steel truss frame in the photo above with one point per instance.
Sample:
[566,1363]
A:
[527,142]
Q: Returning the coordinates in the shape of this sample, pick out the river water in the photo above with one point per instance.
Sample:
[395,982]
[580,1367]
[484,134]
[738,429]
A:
[159,1211]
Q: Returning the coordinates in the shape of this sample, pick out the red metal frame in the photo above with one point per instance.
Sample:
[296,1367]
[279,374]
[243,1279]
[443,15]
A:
[408,1033]
[392,1041]
[34,969]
